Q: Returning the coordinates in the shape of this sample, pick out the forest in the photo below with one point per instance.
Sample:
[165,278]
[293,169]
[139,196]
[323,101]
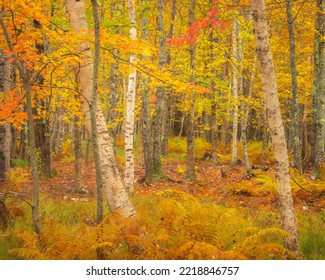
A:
[162,129]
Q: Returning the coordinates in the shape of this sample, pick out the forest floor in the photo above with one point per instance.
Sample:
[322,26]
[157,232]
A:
[225,186]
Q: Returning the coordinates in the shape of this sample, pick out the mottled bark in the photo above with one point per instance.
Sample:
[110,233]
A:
[113,187]
[275,123]
[130,107]
[295,110]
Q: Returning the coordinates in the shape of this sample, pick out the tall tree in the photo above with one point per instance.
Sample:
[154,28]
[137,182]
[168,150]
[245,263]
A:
[146,119]
[157,127]
[27,77]
[5,130]
[93,117]
[319,89]
[190,135]
[295,109]
[114,190]
[235,84]
[130,107]
[275,124]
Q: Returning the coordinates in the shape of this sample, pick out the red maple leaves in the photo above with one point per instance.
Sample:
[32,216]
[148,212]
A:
[210,22]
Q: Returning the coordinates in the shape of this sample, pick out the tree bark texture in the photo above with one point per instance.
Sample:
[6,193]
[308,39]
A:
[146,118]
[5,130]
[113,187]
[319,89]
[275,124]
[93,117]
[235,84]
[295,109]
[25,75]
[190,167]
[130,107]
[157,128]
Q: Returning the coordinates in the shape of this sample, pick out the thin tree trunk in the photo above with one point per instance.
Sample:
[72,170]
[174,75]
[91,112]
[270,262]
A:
[146,119]
[319,89]
[7,140]
[113,187]
[93,117]
[245,120]
[166,114]
[190,167]
[130,107]
[295,110]
[234,37]
[25,76]
[32,150]
[157,127]
[77,155]
[114,87]
[275,124]
[264,135]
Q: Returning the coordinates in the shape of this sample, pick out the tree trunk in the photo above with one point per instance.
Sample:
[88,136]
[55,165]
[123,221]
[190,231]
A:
[319,89]
[43,127]
[130,107]
[295,110]
[146,119]
[32,150]
[190,167]
[4,215]
[234,37]
[157,128]
[26,79]
[93,117]
[114,87]
[113,187]
[5,135]
[77,155]
[249,89]
[275,124]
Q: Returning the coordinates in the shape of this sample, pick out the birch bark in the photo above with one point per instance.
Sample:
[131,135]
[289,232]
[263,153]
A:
[113,187]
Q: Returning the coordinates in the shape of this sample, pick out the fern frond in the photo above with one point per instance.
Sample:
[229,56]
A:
[28,253]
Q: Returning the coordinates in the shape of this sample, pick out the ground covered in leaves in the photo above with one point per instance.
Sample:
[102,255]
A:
[169,222]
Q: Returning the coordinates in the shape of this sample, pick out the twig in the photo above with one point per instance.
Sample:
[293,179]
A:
[300,185]
[19,196]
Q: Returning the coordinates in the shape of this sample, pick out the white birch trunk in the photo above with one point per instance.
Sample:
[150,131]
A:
[275,124]
[130,104]
[113,187]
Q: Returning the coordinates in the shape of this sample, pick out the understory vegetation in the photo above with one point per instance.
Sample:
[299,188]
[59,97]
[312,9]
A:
[212,217]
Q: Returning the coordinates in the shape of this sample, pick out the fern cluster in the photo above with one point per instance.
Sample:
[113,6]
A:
[170,225]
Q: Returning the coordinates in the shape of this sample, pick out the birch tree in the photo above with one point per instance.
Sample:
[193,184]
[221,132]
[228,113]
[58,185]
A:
[130,103]
[275,123]
[113,188]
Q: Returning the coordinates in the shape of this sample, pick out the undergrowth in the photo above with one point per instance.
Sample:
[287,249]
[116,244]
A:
[169,225]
